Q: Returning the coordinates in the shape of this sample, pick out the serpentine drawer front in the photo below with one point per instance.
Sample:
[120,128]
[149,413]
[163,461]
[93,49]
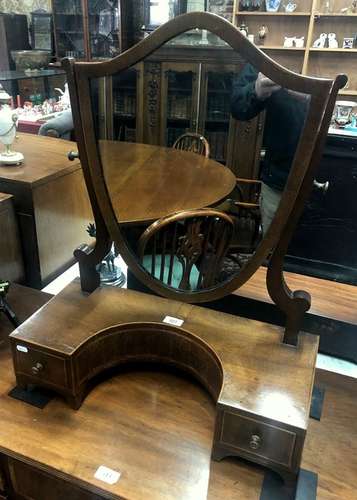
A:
[40,365]
[258,439]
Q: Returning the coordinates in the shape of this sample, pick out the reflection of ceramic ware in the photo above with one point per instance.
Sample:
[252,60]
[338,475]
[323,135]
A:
[289,41]
[332,41]
[320,42]
[272,5]
[64,99]
[243,28]
[343,112]
[347,43]
[8,120]
[262,32]
[290,7]
[299,42]
[30,59]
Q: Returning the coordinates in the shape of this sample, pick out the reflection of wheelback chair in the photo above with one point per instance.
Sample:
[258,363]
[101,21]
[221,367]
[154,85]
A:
[244,208]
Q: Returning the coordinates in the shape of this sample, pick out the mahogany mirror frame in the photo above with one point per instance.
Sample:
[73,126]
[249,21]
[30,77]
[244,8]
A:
[322,94]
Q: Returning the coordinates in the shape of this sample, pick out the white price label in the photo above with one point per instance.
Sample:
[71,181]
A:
[173,321]
[107,475]
[22,348]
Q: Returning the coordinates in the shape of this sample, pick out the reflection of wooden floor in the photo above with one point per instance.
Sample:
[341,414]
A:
[329,299]
[156,428]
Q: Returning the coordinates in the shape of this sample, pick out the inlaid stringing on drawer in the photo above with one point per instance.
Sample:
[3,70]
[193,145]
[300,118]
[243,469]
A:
[258,438]
[40,364]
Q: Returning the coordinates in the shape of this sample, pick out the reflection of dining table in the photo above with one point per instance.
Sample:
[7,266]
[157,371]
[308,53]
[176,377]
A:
[148,182]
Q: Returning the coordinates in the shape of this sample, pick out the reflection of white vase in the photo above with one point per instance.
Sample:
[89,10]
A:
[8,120]
[272,5]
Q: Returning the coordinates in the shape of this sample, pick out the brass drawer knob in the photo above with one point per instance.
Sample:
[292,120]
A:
[255,442]
[37,368]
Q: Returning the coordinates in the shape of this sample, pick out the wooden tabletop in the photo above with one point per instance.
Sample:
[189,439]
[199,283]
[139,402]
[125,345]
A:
[148,182]
[45,159]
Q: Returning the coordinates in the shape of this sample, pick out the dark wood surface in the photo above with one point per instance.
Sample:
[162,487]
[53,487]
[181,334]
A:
[45,159]
[329,299]
[170,419]
[11,261]
[148,182]
[324,241]
[24,302]
[239,361]
[51,204]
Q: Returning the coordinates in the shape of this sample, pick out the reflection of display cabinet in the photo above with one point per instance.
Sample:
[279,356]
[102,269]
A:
[92,29]
[179,100]
[41,31]
[190,92]
[310,19]
[215,117]
[195,97]
[178,90]
[120,106]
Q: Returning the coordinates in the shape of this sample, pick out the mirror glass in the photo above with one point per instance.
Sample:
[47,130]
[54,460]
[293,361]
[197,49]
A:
[195,126]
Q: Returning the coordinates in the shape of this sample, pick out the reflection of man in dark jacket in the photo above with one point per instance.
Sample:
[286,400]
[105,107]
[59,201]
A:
[285,113]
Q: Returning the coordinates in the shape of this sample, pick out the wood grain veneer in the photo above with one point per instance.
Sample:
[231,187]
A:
[164,180]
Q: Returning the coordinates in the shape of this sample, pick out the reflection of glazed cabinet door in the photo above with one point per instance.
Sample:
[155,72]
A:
[214,115]
[120,114]
[179,100]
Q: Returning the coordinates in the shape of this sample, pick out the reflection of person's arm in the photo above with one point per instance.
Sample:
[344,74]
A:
[244,103]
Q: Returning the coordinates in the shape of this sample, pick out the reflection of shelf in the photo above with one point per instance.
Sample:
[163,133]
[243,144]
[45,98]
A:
[64,31]
[279,47]
[218,91]
[217,120]
[174,89]
[124,116]
[313,49]
[347,92]
[335,14]
[259,13]
[178,118]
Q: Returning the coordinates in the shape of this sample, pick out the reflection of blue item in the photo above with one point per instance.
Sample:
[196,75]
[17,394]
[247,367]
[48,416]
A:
[272,5]
[62,125]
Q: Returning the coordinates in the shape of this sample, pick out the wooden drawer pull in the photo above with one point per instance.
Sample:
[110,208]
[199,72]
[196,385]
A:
[255,442]
[37,368]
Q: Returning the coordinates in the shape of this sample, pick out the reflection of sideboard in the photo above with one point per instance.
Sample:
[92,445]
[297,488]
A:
[11,265]
[51,205]
[324,243]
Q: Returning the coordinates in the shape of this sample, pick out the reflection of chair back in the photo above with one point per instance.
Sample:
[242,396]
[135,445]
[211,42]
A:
[193,142]
[243,207]
[185,250]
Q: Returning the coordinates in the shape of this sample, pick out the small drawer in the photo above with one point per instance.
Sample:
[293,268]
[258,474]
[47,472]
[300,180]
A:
[258,439]
[40,365]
